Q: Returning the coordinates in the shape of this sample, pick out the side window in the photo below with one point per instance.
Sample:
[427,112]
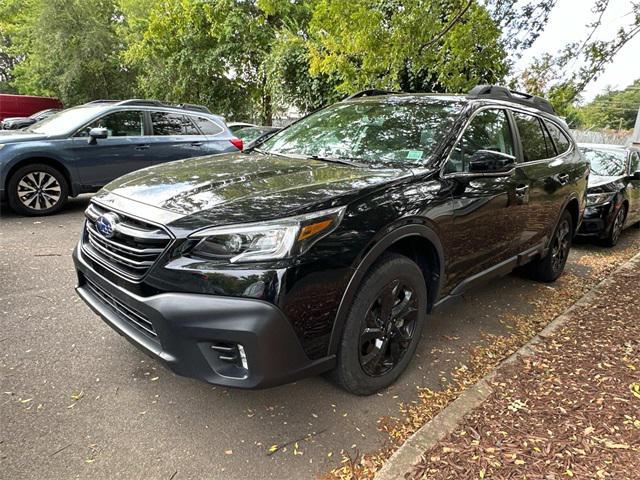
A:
[532,135]
[560,140]
[207,126]
[488,130]
[635,162]
[164,123]
[118,124]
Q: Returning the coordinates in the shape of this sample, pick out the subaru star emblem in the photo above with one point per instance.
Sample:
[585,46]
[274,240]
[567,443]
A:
[106,224]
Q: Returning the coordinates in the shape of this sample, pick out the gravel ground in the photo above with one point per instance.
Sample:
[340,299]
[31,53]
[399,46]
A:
[571,410]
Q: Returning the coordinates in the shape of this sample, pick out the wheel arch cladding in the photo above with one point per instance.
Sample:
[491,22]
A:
[43,161]
[417,242]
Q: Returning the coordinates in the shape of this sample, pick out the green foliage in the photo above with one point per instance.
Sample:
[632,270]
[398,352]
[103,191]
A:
[615,109]
[68,48]
[441,45]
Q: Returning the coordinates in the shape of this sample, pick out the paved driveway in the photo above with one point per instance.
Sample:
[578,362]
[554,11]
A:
[78,401]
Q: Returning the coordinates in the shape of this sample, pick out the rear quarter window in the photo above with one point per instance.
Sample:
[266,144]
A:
[207,126]
[560,140]
[533,137]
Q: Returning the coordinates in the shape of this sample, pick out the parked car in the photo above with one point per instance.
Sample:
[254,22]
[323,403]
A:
[251,136]
[83,148]
[15,123]
[613,194]
[325,248]
[25,105]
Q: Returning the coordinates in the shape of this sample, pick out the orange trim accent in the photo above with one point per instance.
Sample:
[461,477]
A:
[311,230]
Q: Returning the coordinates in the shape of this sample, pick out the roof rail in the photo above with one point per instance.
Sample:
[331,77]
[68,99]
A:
[153,103]
[193,107]
[370,93]
[142,103]
[502,93]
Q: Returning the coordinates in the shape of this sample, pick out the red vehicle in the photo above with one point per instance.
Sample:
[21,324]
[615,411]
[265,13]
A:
[25,105]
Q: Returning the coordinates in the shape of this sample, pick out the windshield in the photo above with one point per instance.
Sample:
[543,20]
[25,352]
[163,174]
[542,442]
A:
[400,132]
[65,121]
[606,162]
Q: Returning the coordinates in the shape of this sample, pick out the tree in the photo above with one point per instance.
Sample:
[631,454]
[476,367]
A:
[552,75]
[68,48]
[615,109]
[442,45]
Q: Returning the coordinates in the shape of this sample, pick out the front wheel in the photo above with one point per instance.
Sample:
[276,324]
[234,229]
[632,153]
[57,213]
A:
[37,189]
[616,228]
[550,267]
[383,327]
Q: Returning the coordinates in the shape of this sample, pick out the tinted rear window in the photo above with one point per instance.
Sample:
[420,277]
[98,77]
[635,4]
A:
[560,140]
[532,135]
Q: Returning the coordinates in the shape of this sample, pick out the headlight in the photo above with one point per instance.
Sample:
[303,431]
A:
[599,198]
[268,240]
[1,146]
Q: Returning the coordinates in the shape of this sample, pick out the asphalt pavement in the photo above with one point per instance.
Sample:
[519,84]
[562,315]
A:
[79,401]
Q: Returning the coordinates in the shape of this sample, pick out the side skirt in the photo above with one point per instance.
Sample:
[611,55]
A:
[499,270]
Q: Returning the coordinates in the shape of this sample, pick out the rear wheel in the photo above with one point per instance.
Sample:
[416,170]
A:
[37,189]
[616,228]
[384,326]
[550,267]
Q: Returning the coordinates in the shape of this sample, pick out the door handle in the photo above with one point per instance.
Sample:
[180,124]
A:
[141,147]
[522,190]
[197,144]
[563,178]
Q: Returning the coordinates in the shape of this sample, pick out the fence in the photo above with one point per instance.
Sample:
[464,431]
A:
[614,137]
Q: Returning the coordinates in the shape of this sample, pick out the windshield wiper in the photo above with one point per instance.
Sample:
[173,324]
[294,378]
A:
[343,161]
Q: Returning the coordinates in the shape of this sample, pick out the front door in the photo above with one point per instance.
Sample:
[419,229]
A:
[123,151]
[633,189]
[485,223]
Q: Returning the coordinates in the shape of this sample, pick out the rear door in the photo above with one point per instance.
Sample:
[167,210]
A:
[545,172]
[217,140]
[485,223]
[123,151]
[174,136]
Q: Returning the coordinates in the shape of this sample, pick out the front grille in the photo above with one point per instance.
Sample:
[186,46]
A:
[133,249]
[131,316]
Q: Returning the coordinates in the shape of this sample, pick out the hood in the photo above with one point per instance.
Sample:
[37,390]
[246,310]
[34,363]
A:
[599,180]
[15,136]
[13,119]
[241,187]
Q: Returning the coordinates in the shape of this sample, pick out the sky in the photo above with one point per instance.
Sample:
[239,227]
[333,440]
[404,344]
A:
[568,23]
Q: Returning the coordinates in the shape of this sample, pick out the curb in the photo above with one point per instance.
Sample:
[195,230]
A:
[445,422]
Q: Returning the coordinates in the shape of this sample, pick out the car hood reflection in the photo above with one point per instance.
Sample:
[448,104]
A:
[242,187]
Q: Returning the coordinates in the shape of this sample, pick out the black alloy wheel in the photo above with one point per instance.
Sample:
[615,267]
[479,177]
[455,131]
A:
[560,246]
[612,238]
[383,326]
[387,328]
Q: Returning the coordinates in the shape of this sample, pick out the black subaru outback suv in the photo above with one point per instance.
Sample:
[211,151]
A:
[324,248]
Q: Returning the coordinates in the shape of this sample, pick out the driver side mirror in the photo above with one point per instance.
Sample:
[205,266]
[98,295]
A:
[96,133]
[490,162]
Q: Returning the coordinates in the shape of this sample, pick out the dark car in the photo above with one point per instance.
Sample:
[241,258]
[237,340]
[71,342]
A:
[613,194]
[15,123]
[253,135]
[325,248]
[83,148]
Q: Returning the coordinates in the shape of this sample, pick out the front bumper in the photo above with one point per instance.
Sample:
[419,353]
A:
[596,220]
[186,331]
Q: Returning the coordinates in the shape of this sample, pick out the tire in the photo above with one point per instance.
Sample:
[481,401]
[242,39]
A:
[376,347]
[548,268]
[617,225]
[37,189]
